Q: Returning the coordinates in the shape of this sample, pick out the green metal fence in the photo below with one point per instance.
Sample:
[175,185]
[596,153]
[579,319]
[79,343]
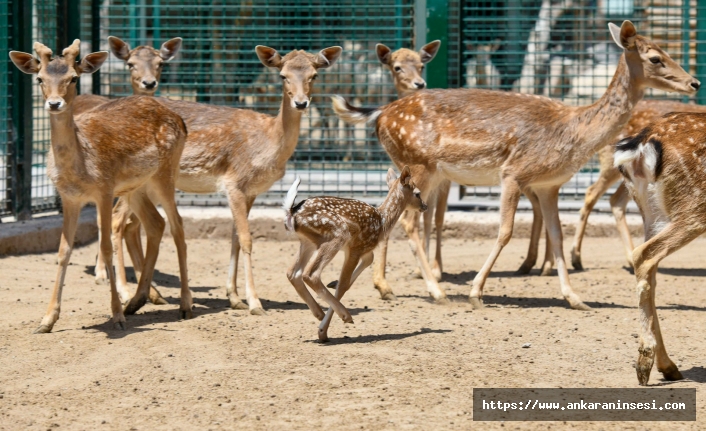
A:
[558,48]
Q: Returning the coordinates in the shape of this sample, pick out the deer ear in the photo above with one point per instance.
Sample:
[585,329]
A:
[328,56]
[119,47]
[170,48]
[406,176]
[268,56]
[624,36]
[391,177]
[384,53]
[428,51]
[92,62]
[25,62]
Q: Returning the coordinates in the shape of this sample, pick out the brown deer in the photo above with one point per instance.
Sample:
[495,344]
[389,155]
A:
[525,142]
[123,148]
[242,153]
[145,64]
[663,168]
[645,113]
[325,225]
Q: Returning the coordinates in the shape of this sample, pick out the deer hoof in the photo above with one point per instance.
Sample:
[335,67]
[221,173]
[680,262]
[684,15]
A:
[258,311]
[156,298]
[417,273]
[333,284]
[323,337]
[134,305]
[525,269]
[547,271]
[238,305]
[442,301]
[476,303]
[186,314]
[389,296]
[119,325]
[671,373]
[578,305]
[43,329]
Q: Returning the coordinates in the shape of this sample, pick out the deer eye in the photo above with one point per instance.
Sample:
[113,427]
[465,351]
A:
[74,79]
[39,80]
[284,78]
[314,77]
[398,69]
[130,65]
[655,60]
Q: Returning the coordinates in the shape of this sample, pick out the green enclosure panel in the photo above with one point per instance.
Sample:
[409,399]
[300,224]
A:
[6,134]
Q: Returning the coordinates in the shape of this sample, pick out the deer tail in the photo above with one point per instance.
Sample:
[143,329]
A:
[353,114]
[289,203]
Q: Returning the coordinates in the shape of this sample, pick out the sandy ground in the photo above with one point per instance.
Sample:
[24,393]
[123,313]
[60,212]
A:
[408,364]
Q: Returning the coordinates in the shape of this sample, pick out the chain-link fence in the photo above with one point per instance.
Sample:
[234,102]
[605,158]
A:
[557,48]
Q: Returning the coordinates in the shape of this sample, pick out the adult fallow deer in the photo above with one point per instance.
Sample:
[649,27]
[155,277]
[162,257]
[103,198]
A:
[122,148]
[325,225]
[524,142]
[646,113]
[663,167]
[242,152]
[145,65]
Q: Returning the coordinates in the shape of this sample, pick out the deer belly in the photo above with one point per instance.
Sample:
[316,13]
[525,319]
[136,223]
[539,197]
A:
[470,175]
[200,183]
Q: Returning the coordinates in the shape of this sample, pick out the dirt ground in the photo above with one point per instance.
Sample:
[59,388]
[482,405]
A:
[408,364]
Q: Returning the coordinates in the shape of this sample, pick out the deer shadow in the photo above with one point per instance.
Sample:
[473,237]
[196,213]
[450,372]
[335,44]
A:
[160,278]
[367,339]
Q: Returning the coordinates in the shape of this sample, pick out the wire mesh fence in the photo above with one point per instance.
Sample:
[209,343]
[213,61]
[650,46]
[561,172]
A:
[556,48]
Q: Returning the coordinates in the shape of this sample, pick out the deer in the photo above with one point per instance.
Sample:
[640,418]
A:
[145,64]
[243,153]
[128,147]
[645,113]
[662,167]
[326,225]
[524,142]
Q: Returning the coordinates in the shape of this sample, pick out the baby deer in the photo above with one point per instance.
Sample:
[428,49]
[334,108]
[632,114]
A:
[326,225]
[663,168]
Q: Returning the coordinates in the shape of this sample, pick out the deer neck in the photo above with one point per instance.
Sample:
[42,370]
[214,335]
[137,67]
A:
[64,139]
[287,126]
[391,209]
[603,120]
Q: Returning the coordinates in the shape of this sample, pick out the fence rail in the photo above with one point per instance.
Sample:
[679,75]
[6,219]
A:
[557,48]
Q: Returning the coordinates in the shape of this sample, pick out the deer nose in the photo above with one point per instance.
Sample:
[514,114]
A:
[695,85]
[149,84]
[301,105]
[420,85]
[54,105]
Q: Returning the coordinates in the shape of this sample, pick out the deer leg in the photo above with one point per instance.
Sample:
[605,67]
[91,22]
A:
[593,193]
[536,233]
[100,272]
[352,267]
[412,228]
[647,257]
[295,276]
[154,224]
[548,256]
[618,204]
[239,206]
[133,241]
[312,276]
[509,198]
[105,208]
[165,191]
[442,199]
[549,200]
[121,211]
[379,279]
[427,218]
[71,211]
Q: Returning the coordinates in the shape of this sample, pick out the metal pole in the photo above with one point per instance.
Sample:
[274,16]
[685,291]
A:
[95,43]
[701,48]
[685,31]
[21,102]
[420,23]
[437,28]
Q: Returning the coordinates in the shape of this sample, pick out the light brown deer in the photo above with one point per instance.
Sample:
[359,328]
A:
[525,142]
[663,167]
[122,148]
[326,225]
[645,113]
[145,64]
[242,153]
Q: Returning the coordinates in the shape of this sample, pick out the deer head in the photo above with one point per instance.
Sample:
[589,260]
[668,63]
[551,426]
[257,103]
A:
[298,70]
[57,77]
[651,66]
[406,187]
[406,65]
[144,62]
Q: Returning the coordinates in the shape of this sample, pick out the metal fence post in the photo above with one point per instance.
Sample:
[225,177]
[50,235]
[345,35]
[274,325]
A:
[437,28]
[701,48]
[21,102]
[95,43]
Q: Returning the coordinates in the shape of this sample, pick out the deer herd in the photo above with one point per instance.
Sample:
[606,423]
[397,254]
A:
[139,149]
